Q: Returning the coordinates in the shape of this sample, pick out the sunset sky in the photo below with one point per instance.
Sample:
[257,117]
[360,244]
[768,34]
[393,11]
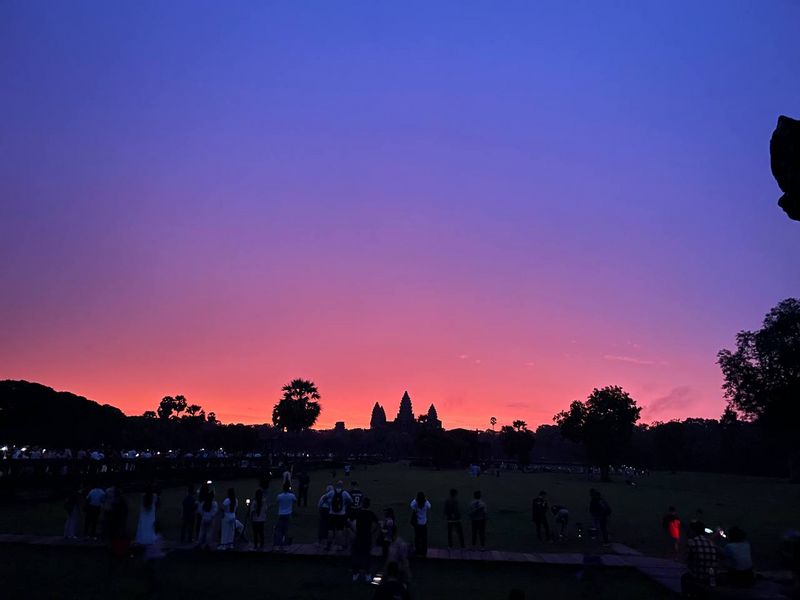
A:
[496,206]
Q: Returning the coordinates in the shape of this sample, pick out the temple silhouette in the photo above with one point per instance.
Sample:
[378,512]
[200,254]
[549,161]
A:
[405,420]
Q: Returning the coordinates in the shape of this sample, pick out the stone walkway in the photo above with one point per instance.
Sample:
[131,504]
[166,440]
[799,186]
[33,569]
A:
[664,571]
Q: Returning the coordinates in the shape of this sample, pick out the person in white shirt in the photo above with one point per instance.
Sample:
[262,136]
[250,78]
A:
[207,510]
[285,500]
[228,525]
[339,501]
[419,519]
[94,504]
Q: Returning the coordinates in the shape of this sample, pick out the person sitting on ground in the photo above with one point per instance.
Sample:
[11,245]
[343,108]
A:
[672,526]
[701,560]
[738,559]
[392,587]
[539,514]
[452,512]
[365,523]
[477,517]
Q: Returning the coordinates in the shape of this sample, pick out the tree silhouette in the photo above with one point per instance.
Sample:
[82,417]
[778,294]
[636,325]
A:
[762,377]
[299,407]
[149,414]
[493,422]
[171,406]
[604,424]
[517,441]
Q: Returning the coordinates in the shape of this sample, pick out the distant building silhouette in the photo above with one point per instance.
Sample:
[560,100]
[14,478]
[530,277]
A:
[433,418]
[405,415]
[378,419]
[339,427]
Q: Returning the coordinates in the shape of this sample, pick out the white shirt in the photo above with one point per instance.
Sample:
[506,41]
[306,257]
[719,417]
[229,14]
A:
[422,512]
[96,497]
[286,501]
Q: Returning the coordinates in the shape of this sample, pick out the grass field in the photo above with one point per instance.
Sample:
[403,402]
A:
[83,573]
[764,507]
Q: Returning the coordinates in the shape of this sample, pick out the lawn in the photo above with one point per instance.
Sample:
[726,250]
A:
[764,507]
[87,573]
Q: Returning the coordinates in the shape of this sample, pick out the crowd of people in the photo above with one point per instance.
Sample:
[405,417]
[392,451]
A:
[347,523]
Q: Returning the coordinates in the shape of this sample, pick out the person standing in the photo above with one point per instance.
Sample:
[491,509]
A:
[539,513]
[323,527]
[72,505]
[365,524]
[672,527]
[419,519]
[145,529]
[477,517]
[452,512]
[94,504]
[303,483]
[356,495]
[600,510]
[286,500]
[388,531]
[207,511]
[189,508]
[340,502]
[258,518]
[228,525]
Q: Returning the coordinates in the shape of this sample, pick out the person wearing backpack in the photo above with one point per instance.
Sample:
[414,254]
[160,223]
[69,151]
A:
[477,517]
[340,501]
[600,511]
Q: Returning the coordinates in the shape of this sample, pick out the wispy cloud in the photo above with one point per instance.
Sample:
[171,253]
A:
[628,359]
[679,398]
[463,356]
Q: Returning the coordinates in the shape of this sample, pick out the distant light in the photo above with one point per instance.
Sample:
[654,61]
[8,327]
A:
[247,502]
[4,449]
[208,482]
[24,448]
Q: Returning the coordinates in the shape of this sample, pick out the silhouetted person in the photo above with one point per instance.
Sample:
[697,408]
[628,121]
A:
[600,511]
[365,525]
[94,504]
[189,509]
[207,512]
[672,527]
[202,494]
[285,501]
[258,519]
[738,559]
[477,517]
[419,520]
[452,512]
[701,560]
[388,531]
[227,529]
[303,483]
[324,526]
[145,529]
[539,508]
[72,506]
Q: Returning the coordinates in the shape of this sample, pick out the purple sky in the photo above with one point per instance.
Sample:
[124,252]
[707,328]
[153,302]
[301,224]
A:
[497,206]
